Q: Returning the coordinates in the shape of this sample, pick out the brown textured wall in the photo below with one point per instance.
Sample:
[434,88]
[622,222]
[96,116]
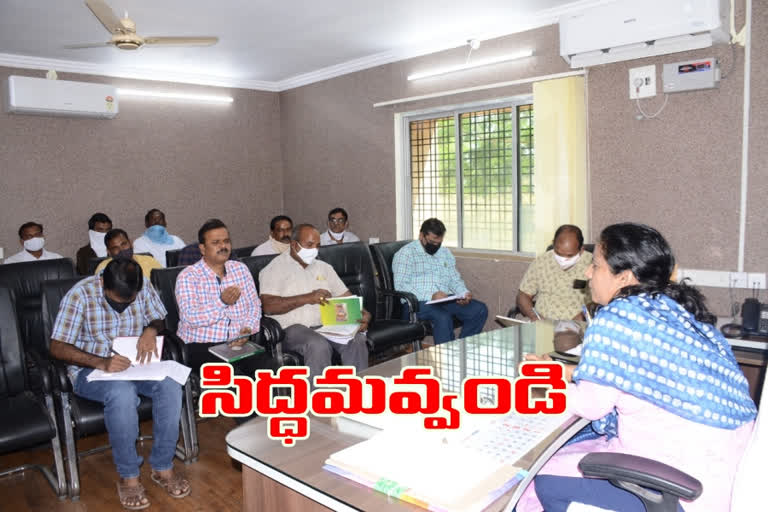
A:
[679,173]
[191,160]
[339,150]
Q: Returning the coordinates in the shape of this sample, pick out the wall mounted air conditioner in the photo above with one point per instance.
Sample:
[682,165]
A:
[40,96]
[633,29]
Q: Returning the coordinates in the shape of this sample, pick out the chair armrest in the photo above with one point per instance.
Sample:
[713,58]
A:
[44,369]
[413,302]
[621,467]
[60,377]
[174,348]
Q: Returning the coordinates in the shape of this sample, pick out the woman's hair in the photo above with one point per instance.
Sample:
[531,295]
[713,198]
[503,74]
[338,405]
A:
[643,251]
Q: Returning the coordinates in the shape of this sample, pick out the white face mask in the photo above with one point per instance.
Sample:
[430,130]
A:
[566,263]
[97,243]
[34,244]
[336,236]
[307,255]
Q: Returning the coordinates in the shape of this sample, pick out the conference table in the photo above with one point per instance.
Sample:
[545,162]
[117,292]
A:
[293,479]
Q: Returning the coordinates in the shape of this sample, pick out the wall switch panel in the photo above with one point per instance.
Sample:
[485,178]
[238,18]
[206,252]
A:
[2,254]
[373,240]
[723,279]
[642,82]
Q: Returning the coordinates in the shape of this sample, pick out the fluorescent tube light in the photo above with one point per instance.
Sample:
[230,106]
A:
[470,65]
[206,98]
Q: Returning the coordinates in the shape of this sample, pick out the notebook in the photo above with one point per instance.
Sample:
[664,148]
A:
[230,354]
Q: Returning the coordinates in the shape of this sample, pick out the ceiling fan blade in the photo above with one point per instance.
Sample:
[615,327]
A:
[105,15]
[86,45]
[181,41]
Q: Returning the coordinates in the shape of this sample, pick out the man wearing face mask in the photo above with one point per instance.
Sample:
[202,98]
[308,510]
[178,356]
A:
[337,233]
[217,300]
[156,240]
[280,231]
[119,246]
[550,279]
[119,302]
[98,225]
[31,239]
[293,286]
[428,270]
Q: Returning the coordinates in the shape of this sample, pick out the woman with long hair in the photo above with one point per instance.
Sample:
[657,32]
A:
[655,376]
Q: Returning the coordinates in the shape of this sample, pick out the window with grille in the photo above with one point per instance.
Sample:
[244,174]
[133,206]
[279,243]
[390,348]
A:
[473,169]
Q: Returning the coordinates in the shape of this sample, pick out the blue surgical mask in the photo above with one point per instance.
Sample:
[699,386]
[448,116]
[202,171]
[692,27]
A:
[159,235]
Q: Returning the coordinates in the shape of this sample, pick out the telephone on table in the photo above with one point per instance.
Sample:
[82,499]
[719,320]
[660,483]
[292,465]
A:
[754,320]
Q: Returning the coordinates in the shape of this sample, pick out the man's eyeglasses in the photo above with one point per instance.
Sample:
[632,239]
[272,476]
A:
[340,220]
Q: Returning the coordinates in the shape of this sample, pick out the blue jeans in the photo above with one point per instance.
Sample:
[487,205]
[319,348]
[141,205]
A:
[472,316]
[121,401]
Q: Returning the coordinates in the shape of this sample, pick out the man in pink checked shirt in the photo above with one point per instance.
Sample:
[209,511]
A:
[217,300]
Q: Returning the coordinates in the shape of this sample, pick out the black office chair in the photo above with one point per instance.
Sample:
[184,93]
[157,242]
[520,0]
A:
[243,252]
[172,257]
[24,279]
[93,263]
[29,417]
[354,265]
[80,417]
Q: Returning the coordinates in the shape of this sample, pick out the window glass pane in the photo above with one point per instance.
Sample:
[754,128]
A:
[525,165]
[488,194]
[433,174]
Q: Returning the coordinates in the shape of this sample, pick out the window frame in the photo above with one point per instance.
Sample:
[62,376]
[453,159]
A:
[404,191]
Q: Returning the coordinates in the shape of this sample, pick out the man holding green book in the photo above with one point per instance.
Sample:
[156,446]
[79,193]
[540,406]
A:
[294,286]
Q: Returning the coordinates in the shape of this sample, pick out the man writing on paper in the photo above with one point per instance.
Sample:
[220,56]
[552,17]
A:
[217,300]
[428,271]
[293,286]
[550,279]
[94,312]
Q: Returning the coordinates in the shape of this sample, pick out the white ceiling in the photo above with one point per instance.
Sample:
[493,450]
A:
[268,45]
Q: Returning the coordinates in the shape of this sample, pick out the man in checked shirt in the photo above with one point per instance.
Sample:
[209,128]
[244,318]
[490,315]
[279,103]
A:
[217,300]
[427,270]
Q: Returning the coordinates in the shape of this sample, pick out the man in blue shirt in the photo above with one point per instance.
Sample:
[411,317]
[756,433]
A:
[428,271]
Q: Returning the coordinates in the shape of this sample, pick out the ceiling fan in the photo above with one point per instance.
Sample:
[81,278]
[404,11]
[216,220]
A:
[124,34]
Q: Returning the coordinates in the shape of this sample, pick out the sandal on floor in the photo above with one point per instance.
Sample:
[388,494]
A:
[177,486]
[131,497]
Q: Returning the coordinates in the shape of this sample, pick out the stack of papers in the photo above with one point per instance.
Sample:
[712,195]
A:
[154,370]
[341,318]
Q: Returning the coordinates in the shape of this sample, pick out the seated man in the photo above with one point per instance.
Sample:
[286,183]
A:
[280,230]
[293,286]
[31,239]
[91,315]
[550,279]
[217,299]
[119,246]
[156,239]
[428,271]
[337,229]
[98,225]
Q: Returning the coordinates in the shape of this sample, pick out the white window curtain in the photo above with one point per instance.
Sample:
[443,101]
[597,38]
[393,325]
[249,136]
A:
[560,166]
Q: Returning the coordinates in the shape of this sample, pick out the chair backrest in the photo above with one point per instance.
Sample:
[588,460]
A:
[748,484]
[53,292]
[354,265]
[256,264]
[24,279]
[243,252]
[13,377]
[93,263]
[172,257]
[164,281]
[383,254]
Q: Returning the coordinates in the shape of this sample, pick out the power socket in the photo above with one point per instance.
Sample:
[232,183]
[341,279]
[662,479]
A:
[642,82]
[756,280]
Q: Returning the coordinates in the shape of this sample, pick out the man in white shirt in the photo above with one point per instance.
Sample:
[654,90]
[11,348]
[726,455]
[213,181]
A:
[31,239]
[156,240]
[280,231]
[337,233]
